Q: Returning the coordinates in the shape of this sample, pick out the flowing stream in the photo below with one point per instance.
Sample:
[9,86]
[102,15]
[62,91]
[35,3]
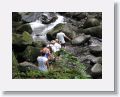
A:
[40,30]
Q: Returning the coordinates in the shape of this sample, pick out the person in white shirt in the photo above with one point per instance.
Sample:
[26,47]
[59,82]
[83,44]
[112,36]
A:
[60,36]
[52,46]
[42,62]
[57,45]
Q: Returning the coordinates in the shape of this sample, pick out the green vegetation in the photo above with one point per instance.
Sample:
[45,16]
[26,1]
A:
[66,67]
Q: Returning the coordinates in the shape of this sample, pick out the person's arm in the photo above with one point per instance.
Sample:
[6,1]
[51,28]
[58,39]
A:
[67,38]
[47,64]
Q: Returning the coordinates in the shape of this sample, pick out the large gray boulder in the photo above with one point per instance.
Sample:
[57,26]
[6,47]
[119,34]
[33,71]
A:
[27,66]
[30,16]
[80,39]
[91,22]
[90,59]
[69,30]
[96,50]
[95,46]
[94,31]
[96,71]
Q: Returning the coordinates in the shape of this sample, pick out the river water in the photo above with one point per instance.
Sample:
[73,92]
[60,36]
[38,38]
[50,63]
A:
[40,30]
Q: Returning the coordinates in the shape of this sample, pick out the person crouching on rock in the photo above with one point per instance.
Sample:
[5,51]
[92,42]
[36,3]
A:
[43,64]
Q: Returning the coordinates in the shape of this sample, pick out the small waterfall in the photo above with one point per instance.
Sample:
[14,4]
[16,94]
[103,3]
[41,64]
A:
[40,30]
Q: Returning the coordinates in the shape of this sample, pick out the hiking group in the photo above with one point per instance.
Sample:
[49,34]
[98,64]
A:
[47,52]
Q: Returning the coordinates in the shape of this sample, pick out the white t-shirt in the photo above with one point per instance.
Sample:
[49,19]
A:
[53,47]
[57,46]
[42,63]
[60,37]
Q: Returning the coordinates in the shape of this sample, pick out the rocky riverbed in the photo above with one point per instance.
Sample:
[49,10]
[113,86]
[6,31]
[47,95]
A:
[30,30]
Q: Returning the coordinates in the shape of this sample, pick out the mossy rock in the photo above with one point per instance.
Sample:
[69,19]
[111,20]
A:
[27,38]
[16,39]
[24,27]
[91,22]
[31,53]
[38,44]
[27,66]
[52,34]
[69,31]
[22,39]
[14,66]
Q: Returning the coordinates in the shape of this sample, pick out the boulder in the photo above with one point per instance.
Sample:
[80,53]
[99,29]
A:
[91,22]
[30,16]
[27,38]
[16,39]
[27,66]
[21,41]
[14,66]
[69,30]
[97,15]
[24,27]
[96,71]
[96,50]
[66,28]
[95,41]
[48,18]
[91,59]
[94,31]
[38,44]
[52,34]
[31,53]
[80,39]
[45,17]
[95,46]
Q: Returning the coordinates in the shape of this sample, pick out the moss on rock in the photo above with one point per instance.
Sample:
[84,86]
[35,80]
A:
[15,72]
[24,27]
[31,53]
[22,39]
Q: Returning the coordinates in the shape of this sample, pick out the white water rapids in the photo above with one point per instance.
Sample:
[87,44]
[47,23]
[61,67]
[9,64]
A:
[40,30]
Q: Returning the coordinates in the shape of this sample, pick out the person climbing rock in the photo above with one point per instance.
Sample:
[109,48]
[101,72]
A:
[60,36]
[43,64]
